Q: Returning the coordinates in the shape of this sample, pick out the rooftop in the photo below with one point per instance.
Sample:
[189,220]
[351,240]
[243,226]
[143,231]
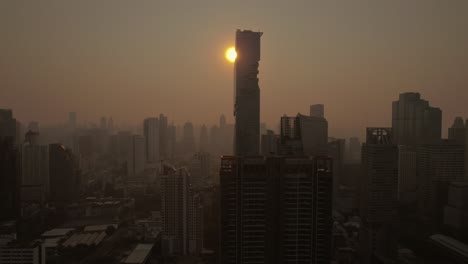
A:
[57,232]
[139,254]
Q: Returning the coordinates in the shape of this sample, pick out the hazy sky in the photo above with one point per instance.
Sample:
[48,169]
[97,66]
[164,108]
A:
[132,59]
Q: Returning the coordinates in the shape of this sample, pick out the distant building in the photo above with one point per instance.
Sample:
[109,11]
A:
[414,122]
[354,150]
[407,175]
[303,135]
[7,124]
[317,110]
[188,140]
[204,140]
[136,156]
[456,209]
[9,163]
[247,93]
[457,132]
[72,119]
[164,142]
[151,131]
[270,143]
[379,193]
[276,209]
[34,170]
[200,168]
[63,175]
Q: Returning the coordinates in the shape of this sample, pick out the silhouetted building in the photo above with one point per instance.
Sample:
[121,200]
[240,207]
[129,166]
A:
[204,140]
[151,131]
[303,135]
[200,168]
[457,131]
[7,124]
[136,156]
[164,142]
[456,210]
[180,211]
[354,151]
[64,177]
[188,140]
[317,110]
[437,166]
[8,178]
[414,122]
[247,93]
[276,210]
[379,191]
[270,143]
[34,170]
[407,175]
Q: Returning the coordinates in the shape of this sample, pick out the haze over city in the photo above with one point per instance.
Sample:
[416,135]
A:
[130,59]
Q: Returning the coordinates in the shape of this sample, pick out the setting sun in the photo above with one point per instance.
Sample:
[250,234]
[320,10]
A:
[231,54]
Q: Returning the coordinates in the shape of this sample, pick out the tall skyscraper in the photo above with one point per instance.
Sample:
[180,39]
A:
[8,180]
[379,197]
[247,93]
[7,124]
[407,175]
[200,168]
[276,210]
[151,131]
[317,110]
[180,211]
[204,140]
[136,156]
[64,177]
[270,143]
[414,122]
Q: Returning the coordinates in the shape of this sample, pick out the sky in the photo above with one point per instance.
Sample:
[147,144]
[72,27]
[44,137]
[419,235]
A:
[137,58]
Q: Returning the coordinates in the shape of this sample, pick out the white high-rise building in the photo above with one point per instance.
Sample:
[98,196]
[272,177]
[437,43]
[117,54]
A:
[152,138]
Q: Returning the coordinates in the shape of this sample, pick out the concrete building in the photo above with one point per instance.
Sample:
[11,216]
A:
[276,210]
[180,212]
[304,135]
[414,122]
[152,139]
[407,175]
[63,175]
[270,143]
[317,110]
[164,146]
[247,93]
[457,132]
[437,166]
[136,156]
[35,181]
[456,210]
[379,194]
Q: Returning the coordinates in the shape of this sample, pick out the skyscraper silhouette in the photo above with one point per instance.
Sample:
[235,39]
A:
[247,93]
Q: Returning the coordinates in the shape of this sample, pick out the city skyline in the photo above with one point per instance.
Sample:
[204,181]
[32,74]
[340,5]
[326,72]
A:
[122,51]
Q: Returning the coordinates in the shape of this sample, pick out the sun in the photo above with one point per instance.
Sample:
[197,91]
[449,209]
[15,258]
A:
[231,54]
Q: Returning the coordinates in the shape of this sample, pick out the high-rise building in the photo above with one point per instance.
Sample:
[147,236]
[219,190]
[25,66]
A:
[200,168]
[7,124]
[317,110]
[457,131]
[8,179]
[180,211]
[270,143]
[407,175]
[304,135]
[171,141]
[455,211]
[188,140]
[354,150]
[247,93]
[414,122]
[163,137]
[34,170]
[64,177]
[379,193]
[276,209]
[437,166]
[136,156]
[204,140]
[151,131]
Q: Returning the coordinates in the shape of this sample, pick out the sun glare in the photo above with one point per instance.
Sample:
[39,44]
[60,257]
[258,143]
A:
[231,54]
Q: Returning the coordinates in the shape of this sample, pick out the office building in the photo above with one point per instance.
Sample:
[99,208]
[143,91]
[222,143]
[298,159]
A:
[136,156]
[414,121]
[34,170]
[164,142]
[304,135]
[317,110]
[8,179]
[276,209]
[247,93]
[457,132]
[437,166]
[270,143]
[152,139]
[63,174]
[379,193]
[407,175]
